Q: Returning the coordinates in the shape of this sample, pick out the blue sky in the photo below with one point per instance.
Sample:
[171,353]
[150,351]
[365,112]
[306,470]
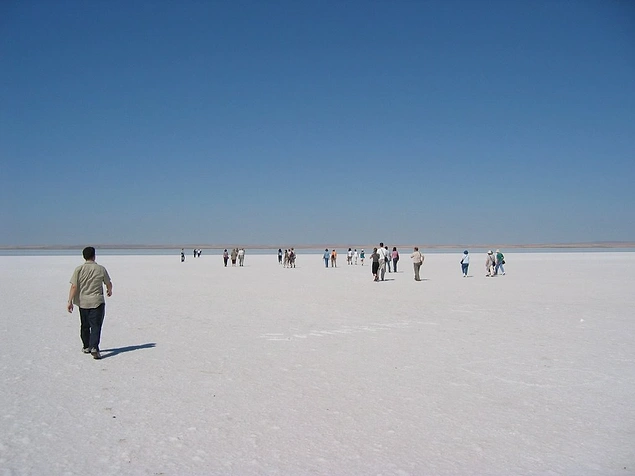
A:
[448,122]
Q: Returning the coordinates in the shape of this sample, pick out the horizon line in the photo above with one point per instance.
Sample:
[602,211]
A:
[129,246]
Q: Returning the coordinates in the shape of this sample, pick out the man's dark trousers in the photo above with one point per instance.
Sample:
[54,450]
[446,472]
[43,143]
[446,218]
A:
[91,322]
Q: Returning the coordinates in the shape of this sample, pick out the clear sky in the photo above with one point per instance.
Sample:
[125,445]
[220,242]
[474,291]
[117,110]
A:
[266,122]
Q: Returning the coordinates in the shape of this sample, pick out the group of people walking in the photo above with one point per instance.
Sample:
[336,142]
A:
[330,255]
[352,257]
[236,254]
[494,263]
[381,259]
[88,280]
[287,259]
[196,253]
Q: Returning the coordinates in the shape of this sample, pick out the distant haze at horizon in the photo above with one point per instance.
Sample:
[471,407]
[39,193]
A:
[300,246]
[404,122]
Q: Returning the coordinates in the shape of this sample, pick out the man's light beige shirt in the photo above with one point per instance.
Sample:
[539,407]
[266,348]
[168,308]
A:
[89,279]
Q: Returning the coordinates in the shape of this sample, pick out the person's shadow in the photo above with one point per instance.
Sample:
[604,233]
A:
[105,353]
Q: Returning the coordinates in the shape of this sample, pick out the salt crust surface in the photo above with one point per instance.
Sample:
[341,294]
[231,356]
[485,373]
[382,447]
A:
[265,370]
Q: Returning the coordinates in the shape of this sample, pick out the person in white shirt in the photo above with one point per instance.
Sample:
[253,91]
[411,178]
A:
[355,255]
[241,256]
[490,264]
[383,257]
[465,263]
[349,256]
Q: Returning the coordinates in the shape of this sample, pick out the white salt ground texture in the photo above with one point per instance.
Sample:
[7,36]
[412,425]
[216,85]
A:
[265,370]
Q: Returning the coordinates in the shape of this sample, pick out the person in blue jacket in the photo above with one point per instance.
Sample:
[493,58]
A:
[327,256]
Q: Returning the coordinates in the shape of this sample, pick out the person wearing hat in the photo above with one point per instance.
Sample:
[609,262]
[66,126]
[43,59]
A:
[500,261]
[465,263]
[490,263]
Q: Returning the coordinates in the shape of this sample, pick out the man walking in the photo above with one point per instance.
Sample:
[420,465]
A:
[241,257]
[87,292]
[417,261]
[383,257]
[490,264]
[500,261]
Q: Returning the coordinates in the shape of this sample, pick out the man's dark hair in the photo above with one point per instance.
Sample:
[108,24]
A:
[89,253]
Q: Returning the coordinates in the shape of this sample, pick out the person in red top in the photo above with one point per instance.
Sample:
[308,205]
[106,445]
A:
[395,258]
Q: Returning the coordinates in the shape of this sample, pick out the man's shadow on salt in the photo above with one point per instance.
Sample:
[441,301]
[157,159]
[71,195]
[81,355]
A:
[105,353]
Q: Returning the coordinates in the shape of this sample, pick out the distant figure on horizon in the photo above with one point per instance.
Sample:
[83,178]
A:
[241,257]
[349,257]
[490,264]
[182,255]
[279,255]
[87,292]
[355,256]
[395,258]
[417,261]
[362,256]
[326,257]
[234,255]
[225,257]
[292,257]
[465,263]
[195,251]
[388,258]
[198,255]
[286,259]
[374,257]
[383,257]
[500,261]
[334,259]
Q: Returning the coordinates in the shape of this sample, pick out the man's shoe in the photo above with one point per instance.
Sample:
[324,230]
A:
[86,350]
[95,353]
